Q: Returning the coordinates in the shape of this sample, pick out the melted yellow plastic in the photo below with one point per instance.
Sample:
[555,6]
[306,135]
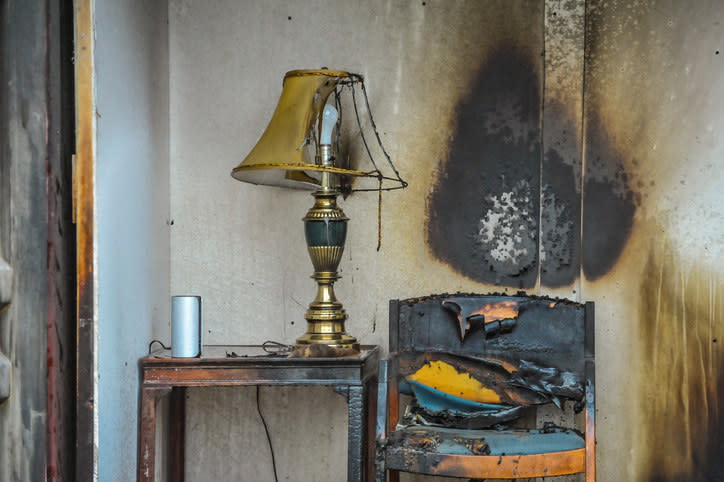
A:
[446,378]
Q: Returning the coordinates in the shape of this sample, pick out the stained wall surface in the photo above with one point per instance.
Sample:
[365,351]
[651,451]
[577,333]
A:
[653,130]
[132,212]
[566,148]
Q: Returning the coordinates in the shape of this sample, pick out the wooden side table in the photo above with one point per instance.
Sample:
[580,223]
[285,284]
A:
[354,378]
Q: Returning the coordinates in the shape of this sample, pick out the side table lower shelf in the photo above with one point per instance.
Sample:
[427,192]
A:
[353,377]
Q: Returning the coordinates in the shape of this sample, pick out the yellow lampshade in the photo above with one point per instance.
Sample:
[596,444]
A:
[281,157]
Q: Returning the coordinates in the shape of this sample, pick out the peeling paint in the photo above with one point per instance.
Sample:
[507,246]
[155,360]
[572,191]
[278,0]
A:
[507,233]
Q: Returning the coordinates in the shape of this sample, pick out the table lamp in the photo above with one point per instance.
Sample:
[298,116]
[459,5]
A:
[297,151]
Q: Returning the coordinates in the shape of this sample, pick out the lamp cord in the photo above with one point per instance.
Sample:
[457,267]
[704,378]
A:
[150,345]
[268,436]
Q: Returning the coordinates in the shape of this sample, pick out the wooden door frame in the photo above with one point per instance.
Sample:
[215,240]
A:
[84,209]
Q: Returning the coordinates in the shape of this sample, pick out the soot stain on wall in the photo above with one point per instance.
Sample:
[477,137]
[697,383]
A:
[484,208]
[560,221]
[483,212]
[609,203]
[681,334]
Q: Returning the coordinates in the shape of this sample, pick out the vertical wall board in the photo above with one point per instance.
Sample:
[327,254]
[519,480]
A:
[561,167]
[653,211]
[561,172]
[132,193]
[23,235]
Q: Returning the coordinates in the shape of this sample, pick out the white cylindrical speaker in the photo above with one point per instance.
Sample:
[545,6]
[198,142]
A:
[186,328]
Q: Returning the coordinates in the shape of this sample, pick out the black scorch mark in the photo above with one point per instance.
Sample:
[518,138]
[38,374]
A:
[609,203]
[483,211]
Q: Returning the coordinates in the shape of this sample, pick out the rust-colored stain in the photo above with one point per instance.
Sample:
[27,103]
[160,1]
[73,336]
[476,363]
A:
[488,317]
[84,189]
[498,311]
[682,395]
[507,366]
[512,466]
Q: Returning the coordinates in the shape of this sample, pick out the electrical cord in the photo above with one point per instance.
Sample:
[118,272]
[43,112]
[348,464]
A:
[271,348]
[268,436]
[150,345]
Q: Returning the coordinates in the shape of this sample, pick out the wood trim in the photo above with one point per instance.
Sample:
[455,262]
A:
[590,416]
[491,466]
[84,176]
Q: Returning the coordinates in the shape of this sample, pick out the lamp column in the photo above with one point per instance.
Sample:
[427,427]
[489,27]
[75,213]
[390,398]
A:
[325,228]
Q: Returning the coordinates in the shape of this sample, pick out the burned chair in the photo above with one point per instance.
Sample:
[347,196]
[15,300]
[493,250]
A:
[475,368]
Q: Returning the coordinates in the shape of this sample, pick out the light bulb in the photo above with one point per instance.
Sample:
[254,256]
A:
[329,118]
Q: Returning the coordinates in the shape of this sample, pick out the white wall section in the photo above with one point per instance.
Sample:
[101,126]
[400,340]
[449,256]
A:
[132,213]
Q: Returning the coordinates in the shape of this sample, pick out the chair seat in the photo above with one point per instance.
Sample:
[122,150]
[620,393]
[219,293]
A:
[485,453]
[486,442]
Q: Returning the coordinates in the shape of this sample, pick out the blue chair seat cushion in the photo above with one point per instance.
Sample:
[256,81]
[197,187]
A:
[454,441]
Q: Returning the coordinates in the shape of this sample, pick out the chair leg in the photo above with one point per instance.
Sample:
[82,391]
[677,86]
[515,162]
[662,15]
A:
[380,475]
[394,475]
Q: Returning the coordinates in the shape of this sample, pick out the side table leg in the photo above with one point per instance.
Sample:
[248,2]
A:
[370,415]
[149,396]
[177,417]
[355,434]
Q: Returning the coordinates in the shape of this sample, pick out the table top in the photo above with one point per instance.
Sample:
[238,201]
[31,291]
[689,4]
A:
[252,365]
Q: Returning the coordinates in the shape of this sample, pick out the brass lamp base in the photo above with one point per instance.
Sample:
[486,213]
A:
[325,228]
[334,340]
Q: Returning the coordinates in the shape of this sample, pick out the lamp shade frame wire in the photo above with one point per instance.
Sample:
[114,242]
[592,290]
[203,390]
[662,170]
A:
[377,172]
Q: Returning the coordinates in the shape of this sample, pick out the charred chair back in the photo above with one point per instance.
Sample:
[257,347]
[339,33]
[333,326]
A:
[459,391]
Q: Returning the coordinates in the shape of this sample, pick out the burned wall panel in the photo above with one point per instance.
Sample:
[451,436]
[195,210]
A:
[561,165]
[652,226]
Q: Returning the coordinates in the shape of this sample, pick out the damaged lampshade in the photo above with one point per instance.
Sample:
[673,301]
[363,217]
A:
[300,149]
[285,155]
